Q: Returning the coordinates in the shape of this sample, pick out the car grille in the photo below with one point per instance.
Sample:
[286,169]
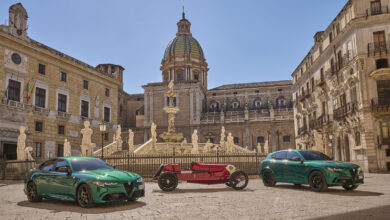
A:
[114,196]
[353,173]
[129,187]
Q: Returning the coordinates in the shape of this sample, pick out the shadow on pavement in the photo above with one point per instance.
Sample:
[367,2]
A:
[333,191]
[65,206]
[381,212]
[210,190]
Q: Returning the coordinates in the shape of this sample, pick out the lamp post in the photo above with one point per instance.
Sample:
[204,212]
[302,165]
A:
[102,128]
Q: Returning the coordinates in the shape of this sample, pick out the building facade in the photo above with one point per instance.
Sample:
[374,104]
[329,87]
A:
[50,93]
[253,112]
[341,89]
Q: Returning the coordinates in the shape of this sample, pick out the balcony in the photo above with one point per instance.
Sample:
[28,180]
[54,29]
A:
[63,116]
[331,71]
[342,112]
[377,48]
[17,105]
[41,111]
[377,11]
[322,121]
[321,82]
[380,108]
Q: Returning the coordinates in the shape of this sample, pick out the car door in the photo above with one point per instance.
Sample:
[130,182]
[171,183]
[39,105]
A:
[295,169]
[42,179]
[63,182]
[277,164]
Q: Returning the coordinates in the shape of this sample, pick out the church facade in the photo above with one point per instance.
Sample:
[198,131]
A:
[252,112]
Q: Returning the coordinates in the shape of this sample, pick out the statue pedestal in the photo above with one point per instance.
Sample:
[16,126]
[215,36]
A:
[172,137]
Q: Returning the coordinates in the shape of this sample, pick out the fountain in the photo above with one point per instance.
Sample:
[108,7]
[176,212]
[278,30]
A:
[171,110]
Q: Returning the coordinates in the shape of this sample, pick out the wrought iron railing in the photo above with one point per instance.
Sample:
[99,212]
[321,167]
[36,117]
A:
[343,111]
[375,48]
[380,105]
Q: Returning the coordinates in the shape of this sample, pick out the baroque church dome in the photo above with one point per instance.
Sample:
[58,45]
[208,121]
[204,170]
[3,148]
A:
[183,45]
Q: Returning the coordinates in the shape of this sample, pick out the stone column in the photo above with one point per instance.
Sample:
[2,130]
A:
[191,106]
[151,106]
[146,108]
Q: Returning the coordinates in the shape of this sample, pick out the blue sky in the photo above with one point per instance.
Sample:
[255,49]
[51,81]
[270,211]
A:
[243,41]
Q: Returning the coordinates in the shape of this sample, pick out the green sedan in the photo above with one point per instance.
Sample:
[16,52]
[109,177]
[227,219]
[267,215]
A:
[309,167]
[87,180]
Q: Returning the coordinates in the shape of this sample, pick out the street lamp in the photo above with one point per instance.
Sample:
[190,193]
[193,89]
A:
[102,128]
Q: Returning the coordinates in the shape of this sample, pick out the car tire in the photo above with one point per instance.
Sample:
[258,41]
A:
[167,181]
[132,199]
[268,178]
[350,187]
[32,192]
[238,180]
[84,196]
[297,184]
[317,181]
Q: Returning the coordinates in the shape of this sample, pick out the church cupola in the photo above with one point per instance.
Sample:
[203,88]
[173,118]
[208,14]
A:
[183,26]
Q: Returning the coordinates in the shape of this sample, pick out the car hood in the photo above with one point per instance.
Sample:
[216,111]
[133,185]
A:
[111,175]
[336,164]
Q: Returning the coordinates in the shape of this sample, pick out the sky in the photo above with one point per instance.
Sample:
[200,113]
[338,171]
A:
[243,40]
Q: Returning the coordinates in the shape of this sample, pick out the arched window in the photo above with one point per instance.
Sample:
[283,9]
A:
[236,140]
[174,101]
[214,106]
[260,139]
[280,101]
[257,103]
[235,104]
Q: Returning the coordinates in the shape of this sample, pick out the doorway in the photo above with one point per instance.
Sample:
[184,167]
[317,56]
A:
[346,149]
[9,151]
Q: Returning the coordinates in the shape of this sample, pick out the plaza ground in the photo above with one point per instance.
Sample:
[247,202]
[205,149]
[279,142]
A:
[193,201]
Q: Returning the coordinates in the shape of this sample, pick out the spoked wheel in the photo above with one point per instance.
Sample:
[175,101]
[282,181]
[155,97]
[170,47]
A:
[167,181]
[238,180]
[317,181]
[350,187]
[268,178]
[32,193]
[84,196]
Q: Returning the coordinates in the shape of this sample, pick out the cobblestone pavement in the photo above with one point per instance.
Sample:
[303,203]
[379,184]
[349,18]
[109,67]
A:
[193,201]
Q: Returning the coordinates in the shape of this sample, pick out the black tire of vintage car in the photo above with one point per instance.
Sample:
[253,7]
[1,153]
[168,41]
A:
[167,181]
[238,180]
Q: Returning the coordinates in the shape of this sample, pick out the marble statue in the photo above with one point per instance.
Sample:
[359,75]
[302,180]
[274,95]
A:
[229,143]
[207,147]
[131,141]
[86,144]
[184,141]
[222,141]
[28,152]
[259,151]
[266,147]
[21,145]
[195,147]
[118,137]
[67,148]
[153,131]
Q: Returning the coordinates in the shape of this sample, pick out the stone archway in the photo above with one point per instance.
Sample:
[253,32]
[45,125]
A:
[347,151]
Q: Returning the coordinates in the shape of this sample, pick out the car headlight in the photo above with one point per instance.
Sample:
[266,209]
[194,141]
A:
[334,169]
[103,184]
[140,180]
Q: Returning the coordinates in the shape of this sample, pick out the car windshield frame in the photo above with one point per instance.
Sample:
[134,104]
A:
[79,165]
[314,155]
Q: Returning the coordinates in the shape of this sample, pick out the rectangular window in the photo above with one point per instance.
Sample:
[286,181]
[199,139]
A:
[332,66]
[382,63]
[107,114]
[236,140]
[38,126]
[286,138]
[62,103]
[37,149]
[84,108]
[179,77]
[353,95]
[106,136]
[312,84]
[61,129]
[60,150]
[40,97]
[85,84]
[196,77]
[260,139]
[41,69]
[379,41]
[322,74]
[376,7]
[330,37]
[14,90]
[63,76]
[340,60]
[107,92]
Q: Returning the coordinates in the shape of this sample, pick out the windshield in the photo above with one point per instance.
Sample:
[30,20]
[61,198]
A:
[89,164]
[313,155]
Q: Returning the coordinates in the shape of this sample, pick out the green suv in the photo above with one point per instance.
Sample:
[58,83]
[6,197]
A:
[309,167]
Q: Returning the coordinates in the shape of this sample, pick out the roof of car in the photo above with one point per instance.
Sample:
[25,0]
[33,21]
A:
[76,157]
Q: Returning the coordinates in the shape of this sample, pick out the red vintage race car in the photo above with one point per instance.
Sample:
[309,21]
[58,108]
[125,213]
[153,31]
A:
[169,175]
